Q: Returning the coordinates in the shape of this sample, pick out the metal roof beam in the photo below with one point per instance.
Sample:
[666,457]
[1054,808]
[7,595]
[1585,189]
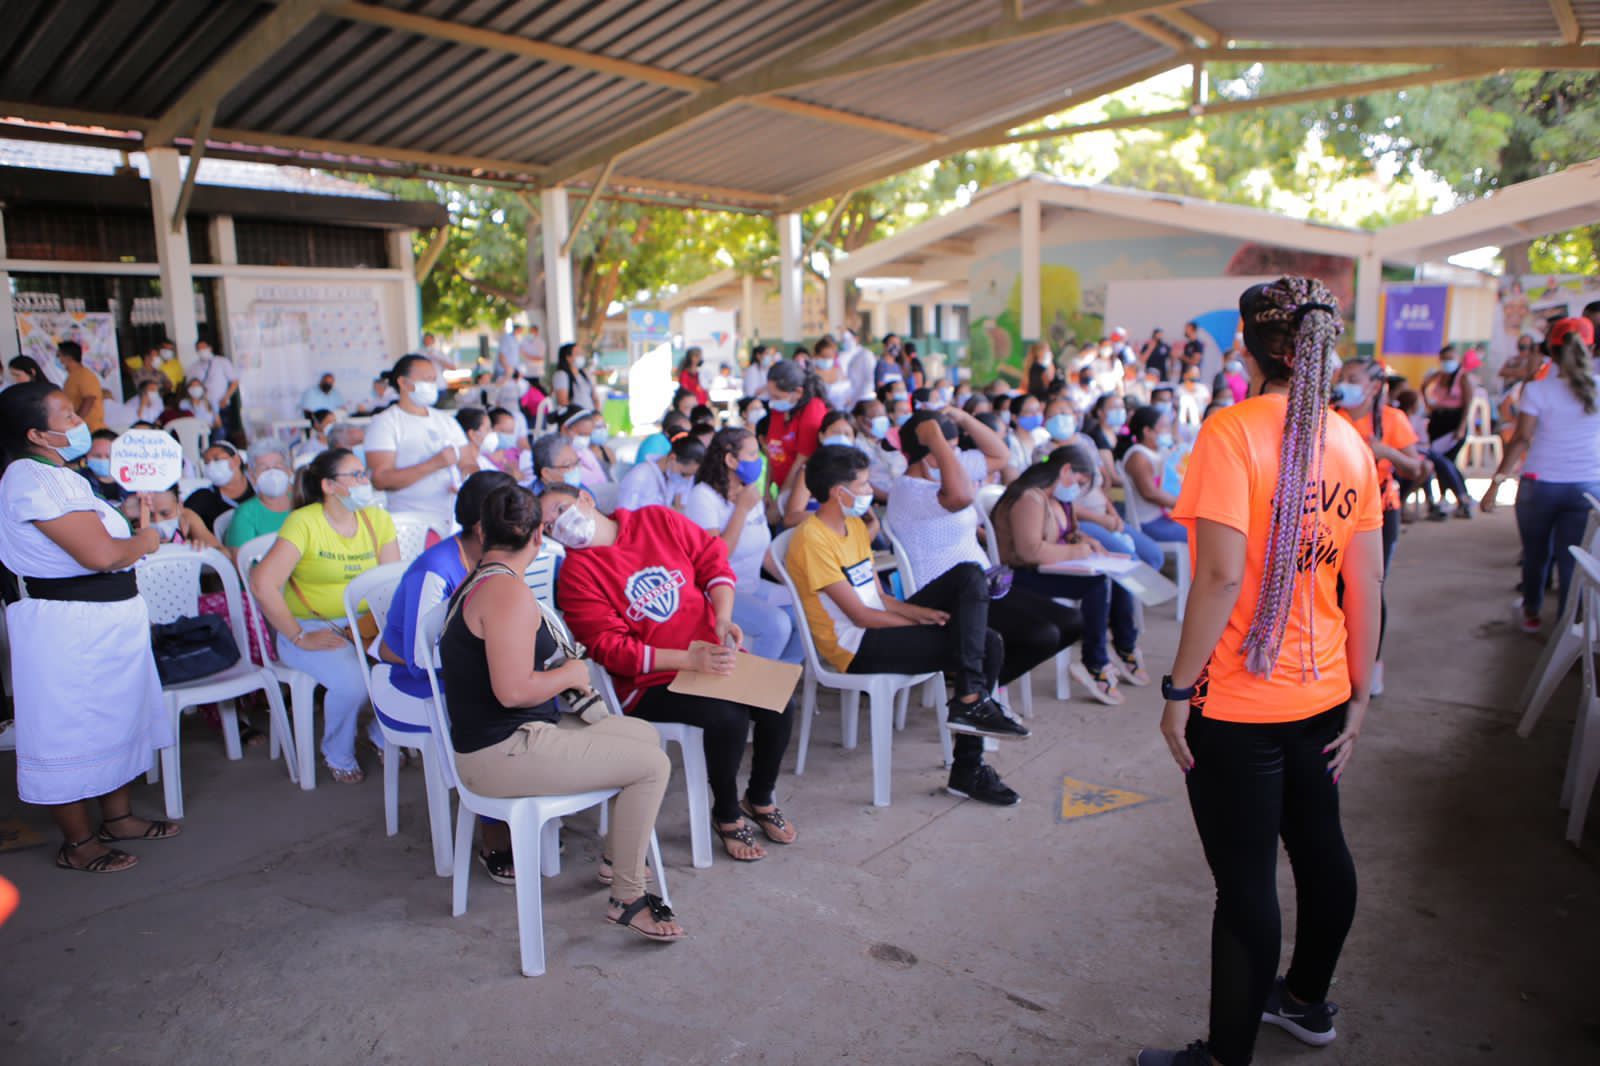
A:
[1431,76]
[576,226]
[234,65]
[1201,31]
[1150,28]
[544,51]
[1496,57]
[197,152]
[1567,20]
[763,79]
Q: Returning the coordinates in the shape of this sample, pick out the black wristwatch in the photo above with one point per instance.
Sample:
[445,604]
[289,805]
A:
[1181,695]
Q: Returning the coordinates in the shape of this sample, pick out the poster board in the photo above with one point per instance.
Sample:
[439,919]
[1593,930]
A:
[715,333]
[95,331]
[282,347]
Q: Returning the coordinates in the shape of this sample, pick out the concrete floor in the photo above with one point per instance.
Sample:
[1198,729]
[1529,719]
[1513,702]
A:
[284,927]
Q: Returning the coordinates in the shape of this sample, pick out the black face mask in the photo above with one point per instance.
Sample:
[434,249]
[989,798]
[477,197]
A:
[326,386]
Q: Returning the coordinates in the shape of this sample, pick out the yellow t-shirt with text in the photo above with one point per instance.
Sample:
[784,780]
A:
[328,561]
[819,557]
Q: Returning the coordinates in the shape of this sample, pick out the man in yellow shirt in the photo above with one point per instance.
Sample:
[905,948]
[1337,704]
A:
[82,387]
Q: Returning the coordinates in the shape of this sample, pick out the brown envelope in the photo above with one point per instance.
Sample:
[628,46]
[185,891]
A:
[755,682]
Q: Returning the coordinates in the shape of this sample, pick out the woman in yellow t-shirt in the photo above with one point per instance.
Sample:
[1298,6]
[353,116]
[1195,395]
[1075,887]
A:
[1270,683]
[336,536]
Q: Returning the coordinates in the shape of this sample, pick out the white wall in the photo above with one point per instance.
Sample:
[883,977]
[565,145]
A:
[1141,306]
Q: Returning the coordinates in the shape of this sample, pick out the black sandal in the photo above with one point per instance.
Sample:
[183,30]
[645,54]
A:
[158,829]
[743,835]
[771,822]
[501,869]
[658,911]
[101,864]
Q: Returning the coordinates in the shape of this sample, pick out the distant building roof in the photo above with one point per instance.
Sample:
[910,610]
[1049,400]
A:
[78,159]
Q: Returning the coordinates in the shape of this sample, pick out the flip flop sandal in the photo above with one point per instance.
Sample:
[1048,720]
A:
[771,822]
[103,864]
[658,910]
[346,777]
[158,829]
[499,866]
[743,835]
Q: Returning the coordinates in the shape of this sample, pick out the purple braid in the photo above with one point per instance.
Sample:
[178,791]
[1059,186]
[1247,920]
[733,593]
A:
[1303,309]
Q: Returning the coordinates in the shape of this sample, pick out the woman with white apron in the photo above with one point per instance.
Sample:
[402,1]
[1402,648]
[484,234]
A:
[88,700]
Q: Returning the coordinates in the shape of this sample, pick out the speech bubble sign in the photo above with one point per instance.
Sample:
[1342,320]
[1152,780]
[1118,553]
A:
[146,460]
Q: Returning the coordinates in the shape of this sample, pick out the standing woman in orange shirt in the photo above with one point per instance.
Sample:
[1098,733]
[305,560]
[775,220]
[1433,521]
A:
[1270,683]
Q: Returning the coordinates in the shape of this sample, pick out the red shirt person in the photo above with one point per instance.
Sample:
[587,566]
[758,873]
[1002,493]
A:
[796,409]
[689,376]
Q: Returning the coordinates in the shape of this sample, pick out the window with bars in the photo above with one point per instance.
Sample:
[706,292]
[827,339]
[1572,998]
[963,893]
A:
[264,242]
[92,235]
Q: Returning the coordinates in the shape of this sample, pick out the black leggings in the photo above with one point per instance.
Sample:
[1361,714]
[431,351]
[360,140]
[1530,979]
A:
[726,724]
[965,646]
[1391,537]
[1034,628]
[1250,785]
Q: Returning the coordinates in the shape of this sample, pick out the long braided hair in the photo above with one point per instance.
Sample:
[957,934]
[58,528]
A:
[1290,327]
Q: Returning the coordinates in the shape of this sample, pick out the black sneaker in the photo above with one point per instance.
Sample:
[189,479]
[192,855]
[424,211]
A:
[1193,1055]
[986,718]
[981,783]
[1309,1023]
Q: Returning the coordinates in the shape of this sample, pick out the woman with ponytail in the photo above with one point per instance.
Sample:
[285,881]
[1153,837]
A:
[1558,431]
[795,408]
[1269,687]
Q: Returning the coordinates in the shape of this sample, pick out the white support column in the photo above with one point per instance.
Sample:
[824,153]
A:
[836,320]
[1032,314]
[403,257]
[1369,283]
[748,329]
[790,277]
[172,251]
[560,304]
[224,245]
[10,343]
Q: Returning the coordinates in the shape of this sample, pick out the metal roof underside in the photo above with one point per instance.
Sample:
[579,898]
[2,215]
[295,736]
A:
[759,103]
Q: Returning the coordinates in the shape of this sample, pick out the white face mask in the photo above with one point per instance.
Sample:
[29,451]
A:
[168,528]
[580,362]
[581,441]
[491,442]
[425,393]
[362,495]
[273,482]
[573,529]
[197,393]
[219,472]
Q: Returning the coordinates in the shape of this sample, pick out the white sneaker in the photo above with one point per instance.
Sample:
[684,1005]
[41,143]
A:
[1377,678]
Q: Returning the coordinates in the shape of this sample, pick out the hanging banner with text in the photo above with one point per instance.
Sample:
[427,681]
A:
[1414,319]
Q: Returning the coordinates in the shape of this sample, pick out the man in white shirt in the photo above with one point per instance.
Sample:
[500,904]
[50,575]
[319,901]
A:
[419,455]
[222,385]
[434,353]
[532,351]
[510,349]
[323,396]
[859,366]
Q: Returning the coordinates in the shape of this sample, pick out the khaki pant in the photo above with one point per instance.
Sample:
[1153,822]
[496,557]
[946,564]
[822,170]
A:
[540,759]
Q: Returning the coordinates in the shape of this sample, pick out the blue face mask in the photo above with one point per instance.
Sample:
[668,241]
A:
[749,471]
[1067,493]
[1029,422]
[839,439]
[1449,366]
[900,420]
[573,477]
[599,435]
[1061,427]
[1164,406]
[1116,418]
[79,439]
[1164,440]
[880,426]
[781,406]
[99,467]
[1346,394]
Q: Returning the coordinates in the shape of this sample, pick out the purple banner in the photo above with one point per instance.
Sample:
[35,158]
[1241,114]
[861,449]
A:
[1414,319]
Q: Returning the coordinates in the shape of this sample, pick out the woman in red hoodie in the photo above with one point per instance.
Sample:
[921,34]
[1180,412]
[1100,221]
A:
[651,593]
[689,376]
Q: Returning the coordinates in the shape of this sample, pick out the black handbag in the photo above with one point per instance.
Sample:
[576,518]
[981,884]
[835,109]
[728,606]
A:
[188,649]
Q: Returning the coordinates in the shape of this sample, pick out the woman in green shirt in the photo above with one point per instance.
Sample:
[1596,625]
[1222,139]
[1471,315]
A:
[264,512]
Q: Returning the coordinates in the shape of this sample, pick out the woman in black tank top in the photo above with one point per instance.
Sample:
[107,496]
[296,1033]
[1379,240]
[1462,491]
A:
[511,737]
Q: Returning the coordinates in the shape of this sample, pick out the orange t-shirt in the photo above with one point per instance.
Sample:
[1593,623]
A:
[1232,475]
[1397,433]
[81,385]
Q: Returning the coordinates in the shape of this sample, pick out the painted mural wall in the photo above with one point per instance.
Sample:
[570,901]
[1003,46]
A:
[1073,278]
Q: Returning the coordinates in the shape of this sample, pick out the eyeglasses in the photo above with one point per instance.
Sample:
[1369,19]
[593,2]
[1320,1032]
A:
[359,475]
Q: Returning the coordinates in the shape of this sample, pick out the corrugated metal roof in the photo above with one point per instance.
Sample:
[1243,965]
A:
[364,79]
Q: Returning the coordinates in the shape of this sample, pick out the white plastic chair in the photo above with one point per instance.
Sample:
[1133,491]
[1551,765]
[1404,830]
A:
[1179,550]
[403,727]
[169,583]
[933,692]
[1583,761]
[410,534]
[534,820]
[881,690]
[1566,641]
[219,528]
[988,496]
[1481,453]
[193,434]
[302,686]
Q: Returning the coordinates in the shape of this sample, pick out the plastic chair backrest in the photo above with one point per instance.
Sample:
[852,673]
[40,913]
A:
[249,554]
[191,433]
[377,587]
[219,528]
[1130,515]
[988,497]
[426,652]
[410,534]
[170,579]
[541,573]
[1479,421]
[902,561]
[779,554]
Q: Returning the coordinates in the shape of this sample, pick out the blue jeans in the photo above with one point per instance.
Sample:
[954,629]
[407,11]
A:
[1101,601]
[1129,541]
[1550,518]
[338,672]
[768,631]
[1165,530]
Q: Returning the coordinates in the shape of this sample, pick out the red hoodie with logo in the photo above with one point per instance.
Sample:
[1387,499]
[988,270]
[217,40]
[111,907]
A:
[646,591]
